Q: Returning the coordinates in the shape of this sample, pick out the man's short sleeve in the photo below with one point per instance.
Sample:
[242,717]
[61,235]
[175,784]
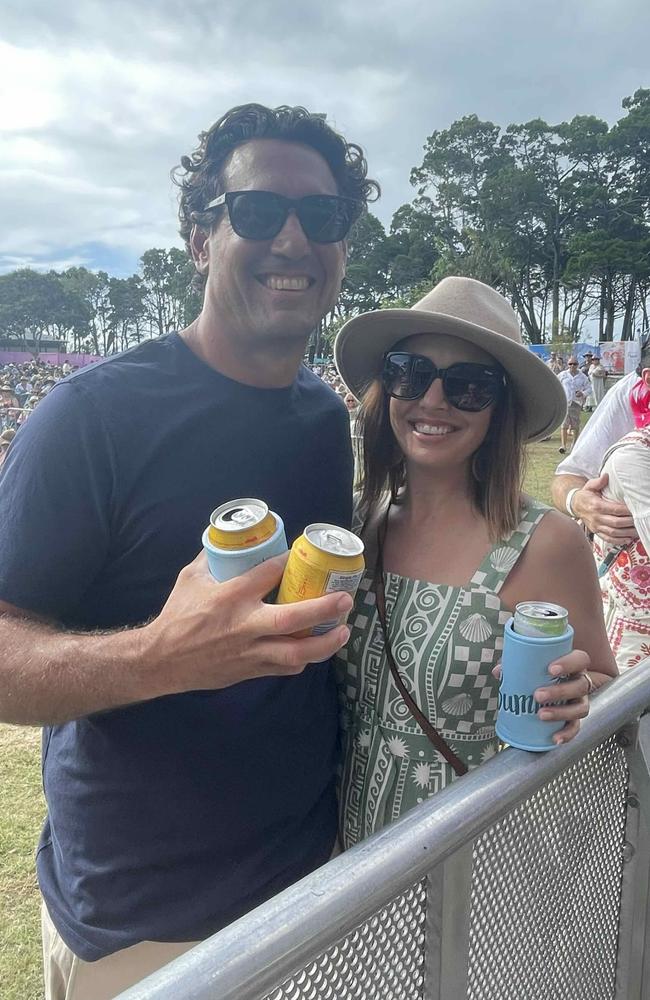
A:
[56,489]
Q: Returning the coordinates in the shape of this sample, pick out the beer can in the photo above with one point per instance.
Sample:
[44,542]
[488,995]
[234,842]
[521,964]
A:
[324,559]
[540,619]
[531,642]
[242,534]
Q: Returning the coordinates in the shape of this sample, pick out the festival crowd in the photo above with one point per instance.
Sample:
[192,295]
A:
[21,389]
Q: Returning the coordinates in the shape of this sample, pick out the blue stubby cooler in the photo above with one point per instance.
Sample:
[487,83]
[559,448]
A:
[524,667]
[226,565]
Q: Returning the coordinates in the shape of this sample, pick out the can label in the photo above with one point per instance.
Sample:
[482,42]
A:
[540,619]
[323,560]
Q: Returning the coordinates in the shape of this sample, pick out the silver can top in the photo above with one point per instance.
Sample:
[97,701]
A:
[336,541]
[540,619]
[237,515]
[541,610]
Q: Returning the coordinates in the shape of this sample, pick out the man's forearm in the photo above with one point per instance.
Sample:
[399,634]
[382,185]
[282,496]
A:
[560,488]
[608,518]
[206,637]
[48,676]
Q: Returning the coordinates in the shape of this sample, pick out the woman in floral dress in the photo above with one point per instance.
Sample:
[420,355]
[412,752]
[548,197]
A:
[449,398]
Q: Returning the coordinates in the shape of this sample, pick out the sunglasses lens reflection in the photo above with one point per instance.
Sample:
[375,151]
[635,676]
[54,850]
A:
[257,215]
[472,391]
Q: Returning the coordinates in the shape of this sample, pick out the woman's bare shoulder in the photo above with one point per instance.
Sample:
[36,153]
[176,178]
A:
[557,557]
[556,535]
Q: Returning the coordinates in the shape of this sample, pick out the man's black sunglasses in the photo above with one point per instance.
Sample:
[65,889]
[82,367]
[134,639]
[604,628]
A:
[261,215]
[467,386]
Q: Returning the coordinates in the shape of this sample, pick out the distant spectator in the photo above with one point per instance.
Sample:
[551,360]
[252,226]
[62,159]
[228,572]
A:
[576,387]
[586,362]
[6,438]
[597,376]
[352,404]
[21,391]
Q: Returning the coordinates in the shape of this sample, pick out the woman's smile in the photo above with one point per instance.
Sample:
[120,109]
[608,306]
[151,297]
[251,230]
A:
[436,429]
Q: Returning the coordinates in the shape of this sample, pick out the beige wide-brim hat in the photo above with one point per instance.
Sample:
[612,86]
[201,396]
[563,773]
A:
[471,311]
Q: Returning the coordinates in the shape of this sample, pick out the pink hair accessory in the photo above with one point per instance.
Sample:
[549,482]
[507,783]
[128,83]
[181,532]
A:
[640,403]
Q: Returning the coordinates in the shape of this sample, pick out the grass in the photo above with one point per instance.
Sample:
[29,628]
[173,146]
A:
[542,461]
[22,809]
[21,813]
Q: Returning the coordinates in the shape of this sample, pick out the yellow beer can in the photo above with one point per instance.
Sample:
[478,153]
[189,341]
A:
[241,524]
[323,560]
[242,534]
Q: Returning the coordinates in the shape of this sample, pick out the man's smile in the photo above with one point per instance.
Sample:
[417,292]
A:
[286,282]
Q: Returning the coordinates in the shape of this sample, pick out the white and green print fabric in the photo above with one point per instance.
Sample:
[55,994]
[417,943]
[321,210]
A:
[445,641]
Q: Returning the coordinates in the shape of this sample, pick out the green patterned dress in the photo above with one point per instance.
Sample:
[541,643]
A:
[445,641]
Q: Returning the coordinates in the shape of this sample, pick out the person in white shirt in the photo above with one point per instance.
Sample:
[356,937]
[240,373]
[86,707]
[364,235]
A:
[597,375]
[578,484]
[584,368]
[576,387]
[624,570]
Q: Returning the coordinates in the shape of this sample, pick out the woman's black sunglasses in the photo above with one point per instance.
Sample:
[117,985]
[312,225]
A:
[261,215]
[467,386]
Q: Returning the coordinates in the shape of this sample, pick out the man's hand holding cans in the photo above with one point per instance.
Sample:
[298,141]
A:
[211,635]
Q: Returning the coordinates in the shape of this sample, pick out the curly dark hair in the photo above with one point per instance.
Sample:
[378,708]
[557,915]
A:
[199,175]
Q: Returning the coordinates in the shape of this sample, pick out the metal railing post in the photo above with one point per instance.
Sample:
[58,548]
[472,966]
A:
[633,960]
[449,890]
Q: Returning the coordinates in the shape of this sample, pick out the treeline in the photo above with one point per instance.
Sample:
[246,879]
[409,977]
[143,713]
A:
[557,217]
[92,312]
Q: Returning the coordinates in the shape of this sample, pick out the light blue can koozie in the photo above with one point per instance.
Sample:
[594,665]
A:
[227,565]
[524,667]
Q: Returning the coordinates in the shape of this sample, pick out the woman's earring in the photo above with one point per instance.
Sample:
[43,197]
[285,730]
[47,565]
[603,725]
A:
[478,466]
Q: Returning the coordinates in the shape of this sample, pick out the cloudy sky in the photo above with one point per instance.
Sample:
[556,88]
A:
[98,100]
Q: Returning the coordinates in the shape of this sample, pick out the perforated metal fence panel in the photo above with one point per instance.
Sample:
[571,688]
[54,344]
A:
[382,959]
[544,906]
[546,889]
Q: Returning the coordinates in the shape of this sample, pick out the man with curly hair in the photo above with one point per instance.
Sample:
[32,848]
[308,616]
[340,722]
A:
[189,745]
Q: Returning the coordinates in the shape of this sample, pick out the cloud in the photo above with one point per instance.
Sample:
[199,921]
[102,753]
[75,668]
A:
[98,101]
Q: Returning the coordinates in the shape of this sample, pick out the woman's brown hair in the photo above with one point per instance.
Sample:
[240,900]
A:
[497,466]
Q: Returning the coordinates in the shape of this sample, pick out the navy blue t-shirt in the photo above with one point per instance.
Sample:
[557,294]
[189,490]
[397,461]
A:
[171,818]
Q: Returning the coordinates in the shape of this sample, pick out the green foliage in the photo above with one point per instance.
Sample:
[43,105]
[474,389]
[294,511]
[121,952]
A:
[367,271]
[555,216]
[167,281]
[91,311]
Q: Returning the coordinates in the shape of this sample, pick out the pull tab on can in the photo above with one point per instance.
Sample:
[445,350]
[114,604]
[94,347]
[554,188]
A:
[241,524]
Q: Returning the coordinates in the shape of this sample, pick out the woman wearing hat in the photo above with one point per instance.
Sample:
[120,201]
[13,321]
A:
[450,397]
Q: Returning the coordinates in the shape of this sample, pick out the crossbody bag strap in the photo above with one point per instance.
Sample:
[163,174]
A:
[428,729]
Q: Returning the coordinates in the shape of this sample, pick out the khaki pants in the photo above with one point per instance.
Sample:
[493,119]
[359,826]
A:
[70,978]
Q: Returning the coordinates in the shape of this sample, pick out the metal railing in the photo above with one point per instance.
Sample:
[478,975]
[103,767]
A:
[527,880]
